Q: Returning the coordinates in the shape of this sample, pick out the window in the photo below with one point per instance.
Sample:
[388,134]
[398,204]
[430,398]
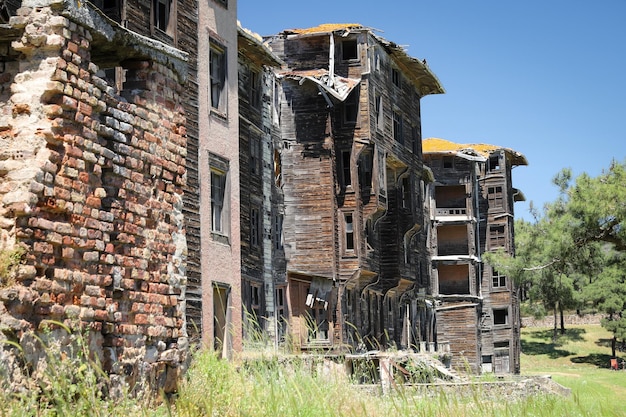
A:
[494,163]
[161,15]
[376,58]
[217,63]
[380,121]
[497,237]
[348,232]
[397,127]
[406,193]
[351,108]
[500,316]
[495,197]
[255,226]
[497,280]
[395,77]
[415,136]
[448,162]
[278,231]
[223,3]
[219,200]
[346,177]
[349,50]
[382,173]
[255,89]
[255,156]
[365,171]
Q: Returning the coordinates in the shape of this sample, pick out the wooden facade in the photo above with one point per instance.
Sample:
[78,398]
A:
[472,212]
[352,183]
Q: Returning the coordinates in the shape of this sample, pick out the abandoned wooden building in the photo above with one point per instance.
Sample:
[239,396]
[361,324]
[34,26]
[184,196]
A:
[472,212]
[349,166]
[172,175]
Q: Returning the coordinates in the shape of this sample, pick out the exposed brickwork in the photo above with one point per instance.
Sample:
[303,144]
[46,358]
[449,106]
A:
[91,185]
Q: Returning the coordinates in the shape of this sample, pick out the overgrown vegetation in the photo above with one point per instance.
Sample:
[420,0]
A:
[73,386]
[9,260]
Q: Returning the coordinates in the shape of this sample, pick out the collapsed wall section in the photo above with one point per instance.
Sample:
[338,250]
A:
[92,168]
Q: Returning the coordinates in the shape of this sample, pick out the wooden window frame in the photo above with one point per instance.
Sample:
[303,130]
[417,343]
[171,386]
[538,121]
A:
[218,94]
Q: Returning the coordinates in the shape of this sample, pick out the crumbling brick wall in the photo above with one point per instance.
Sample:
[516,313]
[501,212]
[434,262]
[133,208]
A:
[91,183]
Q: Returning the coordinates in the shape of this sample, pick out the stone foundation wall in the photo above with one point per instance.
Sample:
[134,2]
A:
[91,183]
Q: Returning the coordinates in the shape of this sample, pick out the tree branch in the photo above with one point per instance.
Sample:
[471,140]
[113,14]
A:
[537,268]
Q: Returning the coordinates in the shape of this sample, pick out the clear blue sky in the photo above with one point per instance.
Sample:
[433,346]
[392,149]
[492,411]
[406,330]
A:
[544,77]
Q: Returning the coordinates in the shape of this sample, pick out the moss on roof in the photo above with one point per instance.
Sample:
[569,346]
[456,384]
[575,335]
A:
[327,28]
[437,145]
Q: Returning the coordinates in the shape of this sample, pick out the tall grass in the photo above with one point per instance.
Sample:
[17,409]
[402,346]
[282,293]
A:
[303,386]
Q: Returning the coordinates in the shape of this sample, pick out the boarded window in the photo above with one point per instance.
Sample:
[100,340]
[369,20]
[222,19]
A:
[217,63]
[397,127]
[278,231]
[406,193]
[255,226]
[365,171]
[255,155]
[495,197]
[255,89]
[497,237]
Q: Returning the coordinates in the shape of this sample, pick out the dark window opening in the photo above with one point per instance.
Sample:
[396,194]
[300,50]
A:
[395,77]
[345,168]
[500,316]
[349,50]
[494,163]
[351,108]
[448,162]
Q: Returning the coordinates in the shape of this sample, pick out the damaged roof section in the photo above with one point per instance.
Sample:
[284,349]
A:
[472,151]
[338,87]
[416,70]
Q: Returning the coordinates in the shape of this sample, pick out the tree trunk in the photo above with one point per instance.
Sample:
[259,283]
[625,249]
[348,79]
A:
[554,330]
[562,320]
[613,343]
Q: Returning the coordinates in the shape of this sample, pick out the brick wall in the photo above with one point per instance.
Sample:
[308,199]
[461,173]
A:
[91,183]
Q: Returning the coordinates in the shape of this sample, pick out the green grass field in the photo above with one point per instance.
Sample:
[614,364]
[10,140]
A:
[579,360]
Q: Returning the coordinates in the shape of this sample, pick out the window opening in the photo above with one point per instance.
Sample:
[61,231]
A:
[397,127]
[345,168]
[217,63]
[349,231]
[498,280]
[500,316]
[349,49]
[379,112]
[351,108]
[395,77]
